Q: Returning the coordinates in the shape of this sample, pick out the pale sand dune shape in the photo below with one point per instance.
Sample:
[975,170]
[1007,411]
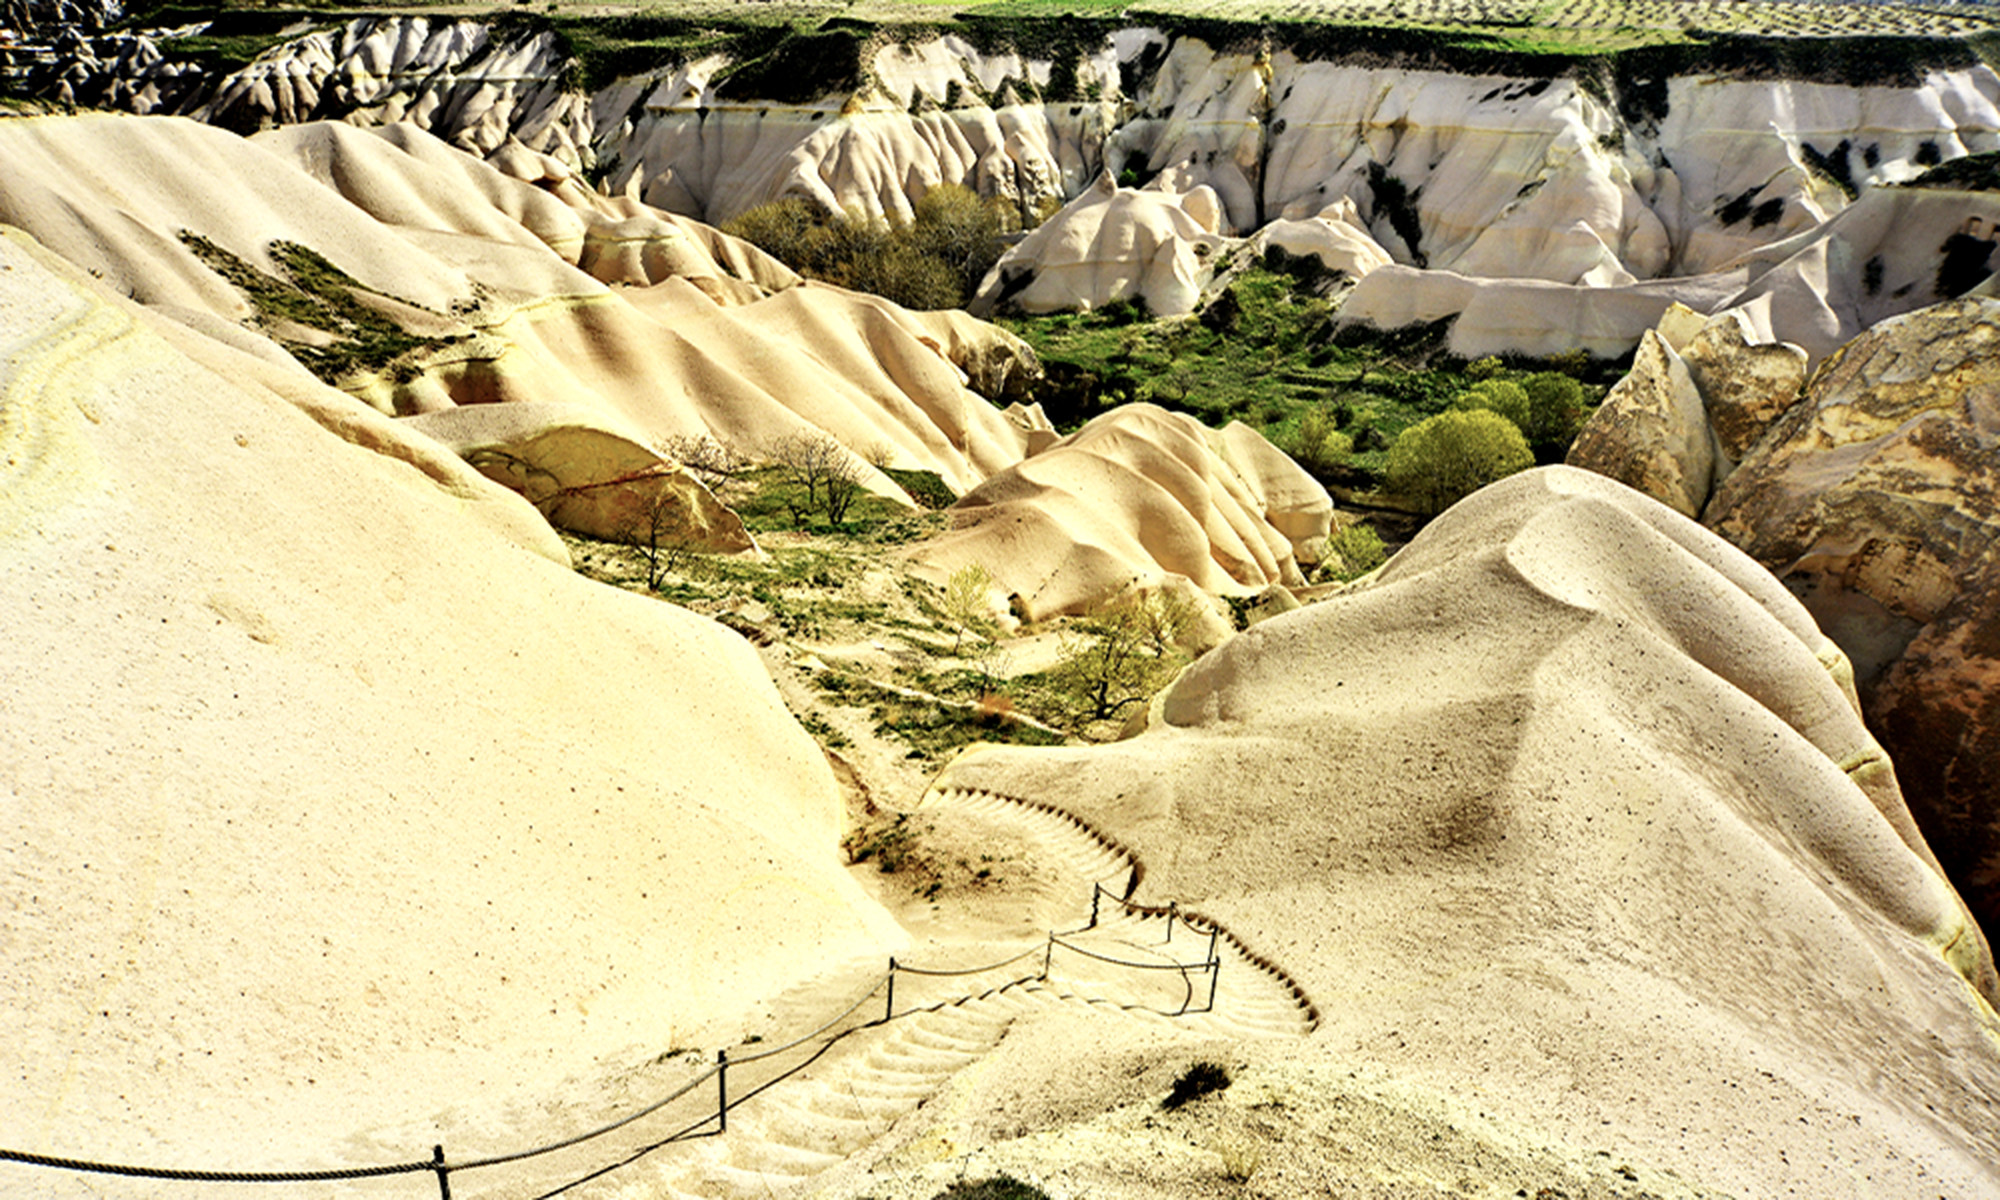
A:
[702,351]
[1137,496]
[345,818]
[1569,819]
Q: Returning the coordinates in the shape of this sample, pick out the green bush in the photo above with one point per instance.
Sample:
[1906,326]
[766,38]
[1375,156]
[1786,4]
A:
[1555,410]
[1502,396]
[1439,461]
[1317,442]
[933,261]
[1353,552]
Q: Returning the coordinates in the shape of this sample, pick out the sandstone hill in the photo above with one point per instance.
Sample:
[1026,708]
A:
[1568,819]
[346,817]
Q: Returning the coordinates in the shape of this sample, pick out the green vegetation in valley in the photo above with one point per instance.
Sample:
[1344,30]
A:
[934,260]
[1268,352]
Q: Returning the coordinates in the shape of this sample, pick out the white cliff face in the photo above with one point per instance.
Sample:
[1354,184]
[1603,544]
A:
[1544,213]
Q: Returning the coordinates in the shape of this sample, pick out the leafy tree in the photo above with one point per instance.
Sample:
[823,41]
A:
[1502,396]
[1127,652]
[1318,443]
[1439,461]
[1555,410]
[965,604]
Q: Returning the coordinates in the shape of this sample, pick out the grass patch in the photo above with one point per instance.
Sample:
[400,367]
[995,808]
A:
[317,295]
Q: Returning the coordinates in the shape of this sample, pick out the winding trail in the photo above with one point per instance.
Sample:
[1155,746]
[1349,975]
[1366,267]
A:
[1132,964]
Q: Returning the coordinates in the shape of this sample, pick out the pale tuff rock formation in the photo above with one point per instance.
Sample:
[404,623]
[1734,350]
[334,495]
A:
[493,276]
[345,818]
[1159,248]
[1894,250]
[1554,207]
[587,475]
[1137,496]
[1107,245]
[1652,433]
[1873,499]
[1529,316]
[1335,236]
[1615,862]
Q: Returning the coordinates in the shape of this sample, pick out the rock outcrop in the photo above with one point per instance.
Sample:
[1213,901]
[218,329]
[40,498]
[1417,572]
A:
[1874,499]
[1543,212]
[1134,498]
[1568,818]
[346,818]
[1652,432]
[1111,244]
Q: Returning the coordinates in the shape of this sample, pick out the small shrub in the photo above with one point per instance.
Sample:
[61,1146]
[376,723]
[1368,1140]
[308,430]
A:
[1502,396]
[996,1187]
[1439,461]
[1353,552]
[1241,1154]
[1195,1082]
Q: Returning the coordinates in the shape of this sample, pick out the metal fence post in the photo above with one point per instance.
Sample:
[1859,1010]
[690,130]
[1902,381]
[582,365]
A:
[1096,890]
[1213,930]
[722,1091]
[1173,910]
[443,1172]
[889,1012]
[1214,977]
[1048,955]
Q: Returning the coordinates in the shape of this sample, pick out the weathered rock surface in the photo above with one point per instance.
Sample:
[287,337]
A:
[1561,216]
[588,476]
[345,818]
[1107,245]
[1133,498]
[1651,433]
[1746,384]
[1874,498]
[1613,860]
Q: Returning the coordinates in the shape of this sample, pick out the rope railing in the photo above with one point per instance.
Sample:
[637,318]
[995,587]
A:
[718,1116]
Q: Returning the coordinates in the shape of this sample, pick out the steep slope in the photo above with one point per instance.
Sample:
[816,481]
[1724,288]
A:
[347,819]
[430,280]
[1873,499]
[1567,820]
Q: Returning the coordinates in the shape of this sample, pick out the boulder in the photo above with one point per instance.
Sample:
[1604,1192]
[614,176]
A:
[1651,432]
[1745,383]
[588,476]
[1874,499]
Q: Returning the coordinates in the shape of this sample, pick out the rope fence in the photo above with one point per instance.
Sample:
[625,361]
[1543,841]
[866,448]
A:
[714,1121]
